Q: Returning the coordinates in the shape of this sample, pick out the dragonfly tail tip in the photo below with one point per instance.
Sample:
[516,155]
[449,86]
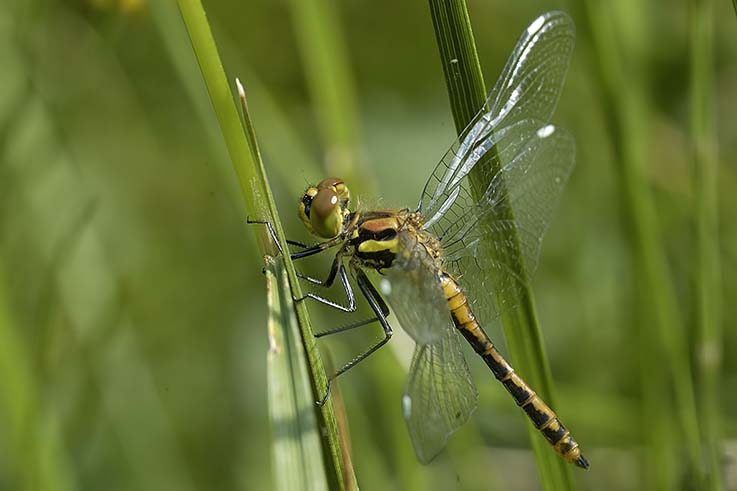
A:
[582,462]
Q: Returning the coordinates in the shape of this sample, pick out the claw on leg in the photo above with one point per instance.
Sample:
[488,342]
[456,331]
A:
[322,401]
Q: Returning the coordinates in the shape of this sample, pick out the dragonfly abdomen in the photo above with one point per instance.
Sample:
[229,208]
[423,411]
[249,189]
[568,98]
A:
[542,417]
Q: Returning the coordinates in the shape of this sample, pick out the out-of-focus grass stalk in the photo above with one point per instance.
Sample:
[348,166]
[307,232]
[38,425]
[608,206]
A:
[661,337]
[173,37]
[328,72]
[286,144]
[325,61]
[260,204]
[521,329]
[708,280]
[31,437]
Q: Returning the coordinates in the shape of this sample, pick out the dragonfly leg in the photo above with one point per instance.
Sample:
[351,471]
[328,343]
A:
[379,307]
[348,327]
[337,268]
[328,282]
[384,310]
[306,250]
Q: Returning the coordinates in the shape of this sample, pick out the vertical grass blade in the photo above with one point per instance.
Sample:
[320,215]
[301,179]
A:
[259,202]
[31,437]
[326,67]
[708,278]
[660,333]
[296,441]
[467,94]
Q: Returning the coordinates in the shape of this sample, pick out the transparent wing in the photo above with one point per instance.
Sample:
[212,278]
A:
[412,289]
[523,195]
[439,396]
[528,88]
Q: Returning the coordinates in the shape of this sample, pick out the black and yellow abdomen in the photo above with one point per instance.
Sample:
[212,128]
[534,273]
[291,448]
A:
[540,414]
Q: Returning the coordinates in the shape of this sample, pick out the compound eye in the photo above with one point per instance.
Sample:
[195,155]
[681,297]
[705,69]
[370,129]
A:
[304,206]
[326,215]
[338,186]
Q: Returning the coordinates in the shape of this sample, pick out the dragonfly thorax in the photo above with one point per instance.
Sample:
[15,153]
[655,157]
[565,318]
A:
[380,236]
[375,239]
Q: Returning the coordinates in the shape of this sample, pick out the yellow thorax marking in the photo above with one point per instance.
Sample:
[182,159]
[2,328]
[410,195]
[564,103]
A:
[368,246]
[377,226]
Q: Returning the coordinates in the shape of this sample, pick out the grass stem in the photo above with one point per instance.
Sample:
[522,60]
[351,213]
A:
[259,203]
[708,278]
[327,69]
[467,94]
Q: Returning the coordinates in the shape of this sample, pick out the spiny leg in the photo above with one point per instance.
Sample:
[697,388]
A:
[381,310]
[339,269]
[336,268]
[327,282]
[347,327]
[365,322]
[306,250]
[272,233]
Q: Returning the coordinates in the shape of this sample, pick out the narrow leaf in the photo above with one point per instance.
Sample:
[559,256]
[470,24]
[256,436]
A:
[260,205]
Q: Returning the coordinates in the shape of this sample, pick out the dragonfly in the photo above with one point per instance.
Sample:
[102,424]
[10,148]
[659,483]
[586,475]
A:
[450,265]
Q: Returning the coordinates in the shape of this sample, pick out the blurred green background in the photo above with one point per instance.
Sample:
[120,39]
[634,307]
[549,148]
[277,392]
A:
[132,304]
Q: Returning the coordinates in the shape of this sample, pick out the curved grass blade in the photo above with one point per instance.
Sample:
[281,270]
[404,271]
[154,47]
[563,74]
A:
[259,203]
[467,94]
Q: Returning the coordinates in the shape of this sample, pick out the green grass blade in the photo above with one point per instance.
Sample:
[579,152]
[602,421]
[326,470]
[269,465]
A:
[296,452]
[326,67]
[260,204]
[285,144]
[708,278]
[660,333]
[225,110]
[521,328]
[32,439]
[461,67]
[339,464]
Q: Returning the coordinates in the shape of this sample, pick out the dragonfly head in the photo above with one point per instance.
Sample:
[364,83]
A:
[323,208]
